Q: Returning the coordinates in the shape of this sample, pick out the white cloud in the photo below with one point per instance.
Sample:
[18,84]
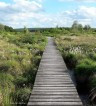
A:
[85,15]
[20,12]
[31,13]
[3,4]
[78,0]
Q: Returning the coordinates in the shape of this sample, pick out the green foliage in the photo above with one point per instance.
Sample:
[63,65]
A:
[6,80]
[75,26]
[93,82]
[6,87]
[77,29]
[27,39]
[53,32]
[8,29]
[92,56]
[70,59]
[30,75]
[13,67]
[26,31]
[85,69]
[80,27]
[20,54]
[87,27]
[20,82]
[21,96]
[4,66]
[79,52]
[1,27]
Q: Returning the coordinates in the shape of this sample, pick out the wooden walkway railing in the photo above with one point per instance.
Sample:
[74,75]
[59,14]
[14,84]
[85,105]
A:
[53,85]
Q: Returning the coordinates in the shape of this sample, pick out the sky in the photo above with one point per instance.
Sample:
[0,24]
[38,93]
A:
[47,13]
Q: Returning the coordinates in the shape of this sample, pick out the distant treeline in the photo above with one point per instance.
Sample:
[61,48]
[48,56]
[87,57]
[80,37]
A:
[6,28]
[59,28]
[74,28]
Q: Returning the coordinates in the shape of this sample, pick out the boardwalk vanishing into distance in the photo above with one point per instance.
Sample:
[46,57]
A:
[53,85]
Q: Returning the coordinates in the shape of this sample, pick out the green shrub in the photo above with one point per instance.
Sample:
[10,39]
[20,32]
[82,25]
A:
[30,75]
[6,87]
[21,96]
[4,66]
[13,67]
[28,39]
[21,81]
[92,56]
[70,59]
[84,69]
[93,82]
[37,60]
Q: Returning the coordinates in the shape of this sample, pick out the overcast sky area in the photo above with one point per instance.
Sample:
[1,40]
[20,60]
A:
[47,13]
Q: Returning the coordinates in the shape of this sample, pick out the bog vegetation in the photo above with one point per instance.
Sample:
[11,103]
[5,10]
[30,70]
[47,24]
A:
[20,54]
[78,49]
[21,51]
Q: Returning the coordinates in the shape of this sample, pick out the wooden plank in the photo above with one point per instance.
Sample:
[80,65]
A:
[51,73]
[54,104]
[62,75]
[51,93]
[55,96]
[69,85]
[55,90]
[54,100]
[60,88]
[53,85]
[53,79]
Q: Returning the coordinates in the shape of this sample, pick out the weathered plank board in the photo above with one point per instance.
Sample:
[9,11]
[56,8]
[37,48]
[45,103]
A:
[53,85]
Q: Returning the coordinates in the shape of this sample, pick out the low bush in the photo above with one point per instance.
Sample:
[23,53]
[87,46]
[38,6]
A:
[84,70]
[21,82]
[92,56]
[6,88]
[93,82]
[21,96]
[30,75]
[70,59]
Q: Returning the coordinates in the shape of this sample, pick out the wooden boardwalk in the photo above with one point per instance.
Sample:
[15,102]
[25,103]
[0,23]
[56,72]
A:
[53,85]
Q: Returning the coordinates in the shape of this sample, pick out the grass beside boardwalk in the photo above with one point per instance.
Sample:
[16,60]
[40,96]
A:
[20,54]
[79,53]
